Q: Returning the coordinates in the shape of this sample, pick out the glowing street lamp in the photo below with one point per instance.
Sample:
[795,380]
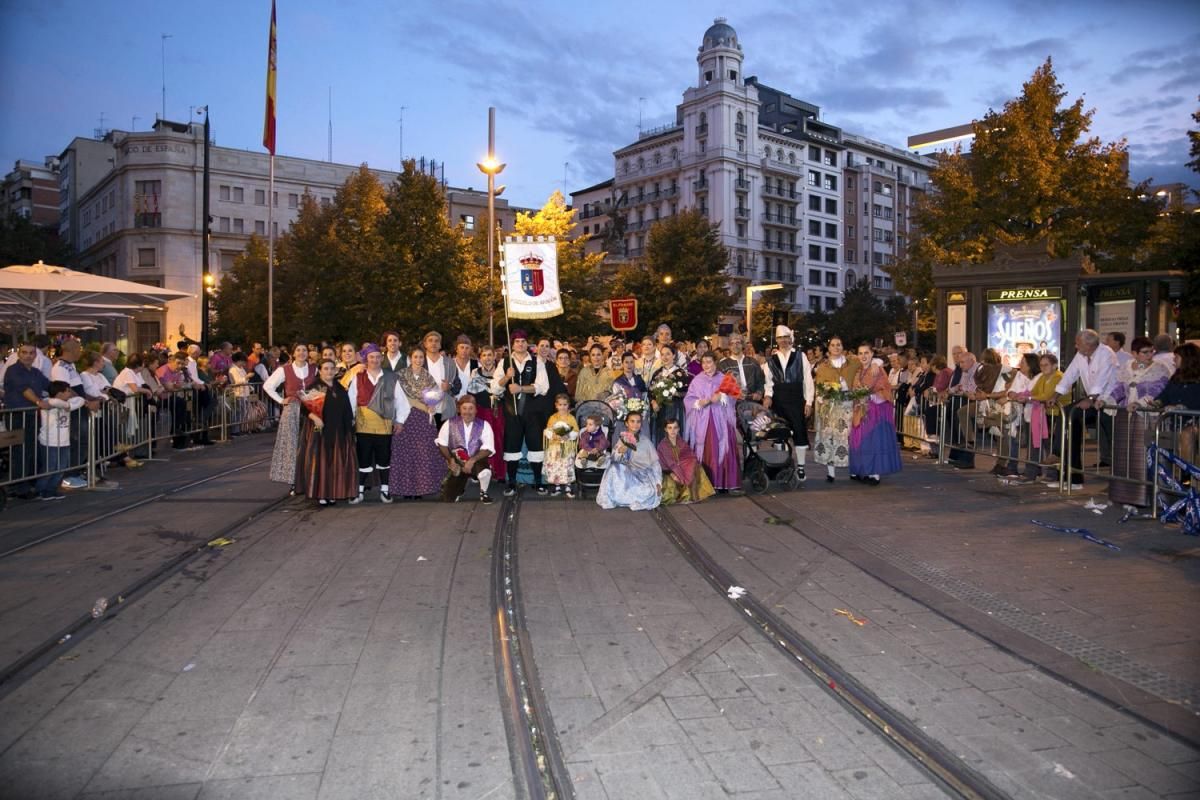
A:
[491,167]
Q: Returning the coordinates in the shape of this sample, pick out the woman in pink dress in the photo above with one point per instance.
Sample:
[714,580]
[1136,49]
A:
[710,423]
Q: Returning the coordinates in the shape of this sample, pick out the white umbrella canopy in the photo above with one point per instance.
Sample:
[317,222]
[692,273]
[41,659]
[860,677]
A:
[43,293]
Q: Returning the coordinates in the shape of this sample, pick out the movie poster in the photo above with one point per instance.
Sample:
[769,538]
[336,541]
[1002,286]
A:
[1031,326]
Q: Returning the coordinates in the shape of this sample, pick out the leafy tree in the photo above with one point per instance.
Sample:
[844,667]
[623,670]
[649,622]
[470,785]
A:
[686,249]
[765,306]
[1032,174]
[305,278]
[240,302]
[22,242]
[863,317]
[578,272]
[1194,149]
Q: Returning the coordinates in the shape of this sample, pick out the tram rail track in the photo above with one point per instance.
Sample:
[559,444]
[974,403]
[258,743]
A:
[539,769]
[61,641]
[933,758]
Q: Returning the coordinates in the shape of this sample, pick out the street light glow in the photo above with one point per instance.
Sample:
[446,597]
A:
[667,280]
[490,166]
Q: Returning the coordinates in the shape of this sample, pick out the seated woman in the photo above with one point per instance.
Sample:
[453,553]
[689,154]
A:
[633,479]
[683,479]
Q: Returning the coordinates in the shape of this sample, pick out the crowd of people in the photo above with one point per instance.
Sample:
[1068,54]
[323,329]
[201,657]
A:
[662,421]
[656,418]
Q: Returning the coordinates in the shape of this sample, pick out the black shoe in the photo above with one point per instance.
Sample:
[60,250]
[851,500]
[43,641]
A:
[510,490]
[871,481]
[541,489]
[800,474]
[829,479]
[485,498]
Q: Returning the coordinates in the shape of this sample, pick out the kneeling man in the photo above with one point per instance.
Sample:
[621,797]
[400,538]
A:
[466,442]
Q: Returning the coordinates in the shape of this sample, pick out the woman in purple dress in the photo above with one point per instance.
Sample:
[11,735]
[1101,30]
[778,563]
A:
[417,467]
[710,424]
[874,451]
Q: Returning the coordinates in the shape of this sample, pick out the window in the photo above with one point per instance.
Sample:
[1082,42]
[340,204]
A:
[275,199]
[830,158]
[814,203]
[326,202]
[146,210]
[887,212]
[741,230]
[228,257]
[850,232]
[878,187]
[887,236]
[239,194]
[877,234]
[814,277]
[814,153]
[831,182]
[293,200]
[849,181]
[831,255]
[850,258]
[830,205]
[814,252]
[223,224]
[791,158]
[876,258]
[830,230]
[741,145]
[223,193]
[260,197]
[468,221]
[814,304]
[814,178]
[877,210]
[814,228]
[830,303]
[260,227]
[831,280]
[146,257]
[239,225]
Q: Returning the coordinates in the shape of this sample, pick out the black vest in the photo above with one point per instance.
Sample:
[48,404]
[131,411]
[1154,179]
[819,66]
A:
[793,373]
[525,376]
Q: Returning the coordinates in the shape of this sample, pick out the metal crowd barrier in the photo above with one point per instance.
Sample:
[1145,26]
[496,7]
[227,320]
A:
[1174,459]
[135,427]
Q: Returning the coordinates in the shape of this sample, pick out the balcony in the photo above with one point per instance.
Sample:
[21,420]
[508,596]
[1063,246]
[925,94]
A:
[740,129]
[741,212]
[702,130]
[634,252]
[780,247]
[742,184]
[700,185]
[780,219]
[670,191]
[784,192]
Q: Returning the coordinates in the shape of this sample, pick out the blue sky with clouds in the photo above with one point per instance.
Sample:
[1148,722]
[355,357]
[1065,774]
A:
[567,80]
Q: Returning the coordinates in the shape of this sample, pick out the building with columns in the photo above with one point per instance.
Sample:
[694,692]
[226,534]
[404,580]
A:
[794,196]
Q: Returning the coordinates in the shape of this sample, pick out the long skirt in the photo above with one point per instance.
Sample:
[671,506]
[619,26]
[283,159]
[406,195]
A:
[675,491]
[873,447]
[833,432]
[1131,433]
[326,465]
[559,467]
[287,444]
[417,466]
[725,472]
[494,417]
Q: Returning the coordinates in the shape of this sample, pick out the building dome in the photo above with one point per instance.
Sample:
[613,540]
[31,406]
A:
[720,34]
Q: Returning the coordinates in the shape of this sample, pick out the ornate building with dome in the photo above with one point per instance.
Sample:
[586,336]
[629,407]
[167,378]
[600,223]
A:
[797,200]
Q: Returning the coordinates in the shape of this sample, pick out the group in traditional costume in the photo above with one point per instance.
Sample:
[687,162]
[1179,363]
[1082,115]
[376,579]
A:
[633,479]
[292,378]
[562,436]
[326,466]
[380,407]
[834,413]
[683,480]
[466,444]
[711,411]
[522,378]
[874,451]
[789,391]
[417,467]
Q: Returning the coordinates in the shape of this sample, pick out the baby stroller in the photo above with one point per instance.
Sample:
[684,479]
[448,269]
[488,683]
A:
[768,452]
[590,477]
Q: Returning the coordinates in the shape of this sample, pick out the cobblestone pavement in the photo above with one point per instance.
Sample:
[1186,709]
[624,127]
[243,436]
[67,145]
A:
[347,653]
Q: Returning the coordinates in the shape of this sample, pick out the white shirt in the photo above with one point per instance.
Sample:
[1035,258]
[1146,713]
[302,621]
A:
[464,377]
[486,440]
[392,362]
[238,377]
[55,430]
[272,384]
[129,381]
[437,369]
[1097,373]
[806,368]
[1123,357]
[403,407]
[192,370]
[1168,359]
[65,371]
[541,382]
[94,384]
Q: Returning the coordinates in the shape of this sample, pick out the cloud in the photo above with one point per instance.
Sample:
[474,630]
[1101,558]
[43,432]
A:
[1140,107]
[884,98]
[1037,49]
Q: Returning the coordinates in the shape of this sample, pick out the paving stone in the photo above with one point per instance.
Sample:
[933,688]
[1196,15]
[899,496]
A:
[276,745]
[692,707]
[1148,773]
[312,645]
[808,781]
[738,774]
[869,783]
[180,791]
[382,766]
[271,787]
[206,693]
[722,684]
[774,745]
[163,753]
[711,734]
[1163,749]
[1081,735]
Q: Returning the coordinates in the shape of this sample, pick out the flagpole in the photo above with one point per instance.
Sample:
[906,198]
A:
[271,255]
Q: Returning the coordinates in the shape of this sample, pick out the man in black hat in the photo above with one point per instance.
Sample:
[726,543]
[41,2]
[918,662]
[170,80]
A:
[523,379]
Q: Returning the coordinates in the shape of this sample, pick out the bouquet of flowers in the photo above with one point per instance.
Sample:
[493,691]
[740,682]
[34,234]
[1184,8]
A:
[729,387]
[631,405]
[314,401]
[834,393]
[432,396]
[629,440]
[668,387]
[561,429]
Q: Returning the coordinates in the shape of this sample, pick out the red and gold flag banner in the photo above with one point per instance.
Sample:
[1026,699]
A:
[623,314]
[269,119]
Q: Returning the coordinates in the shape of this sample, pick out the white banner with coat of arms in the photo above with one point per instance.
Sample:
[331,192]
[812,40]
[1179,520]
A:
[531,277]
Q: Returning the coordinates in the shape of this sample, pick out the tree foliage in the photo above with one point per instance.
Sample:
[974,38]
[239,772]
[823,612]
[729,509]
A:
[1032,174]
[1194,144]
[240,302]
[687,249]
[578,272]
[22,242]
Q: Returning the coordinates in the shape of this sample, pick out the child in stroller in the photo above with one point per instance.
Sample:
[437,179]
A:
[767,448]
[595,419]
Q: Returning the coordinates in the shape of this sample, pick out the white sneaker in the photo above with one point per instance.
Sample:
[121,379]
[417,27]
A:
[74,482]
[356,500]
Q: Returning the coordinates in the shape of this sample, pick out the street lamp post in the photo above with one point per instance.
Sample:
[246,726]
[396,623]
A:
[206,277]
[750,290]
[491,167]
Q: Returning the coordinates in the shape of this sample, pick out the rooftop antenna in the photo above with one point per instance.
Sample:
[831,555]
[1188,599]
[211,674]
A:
[330,159]
[165,36]
[641,104]
[565,165]
[133,123]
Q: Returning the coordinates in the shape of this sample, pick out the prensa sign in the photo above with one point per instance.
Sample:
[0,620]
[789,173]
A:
[1003,295]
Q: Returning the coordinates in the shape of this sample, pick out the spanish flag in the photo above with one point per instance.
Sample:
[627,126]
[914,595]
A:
[269,120]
